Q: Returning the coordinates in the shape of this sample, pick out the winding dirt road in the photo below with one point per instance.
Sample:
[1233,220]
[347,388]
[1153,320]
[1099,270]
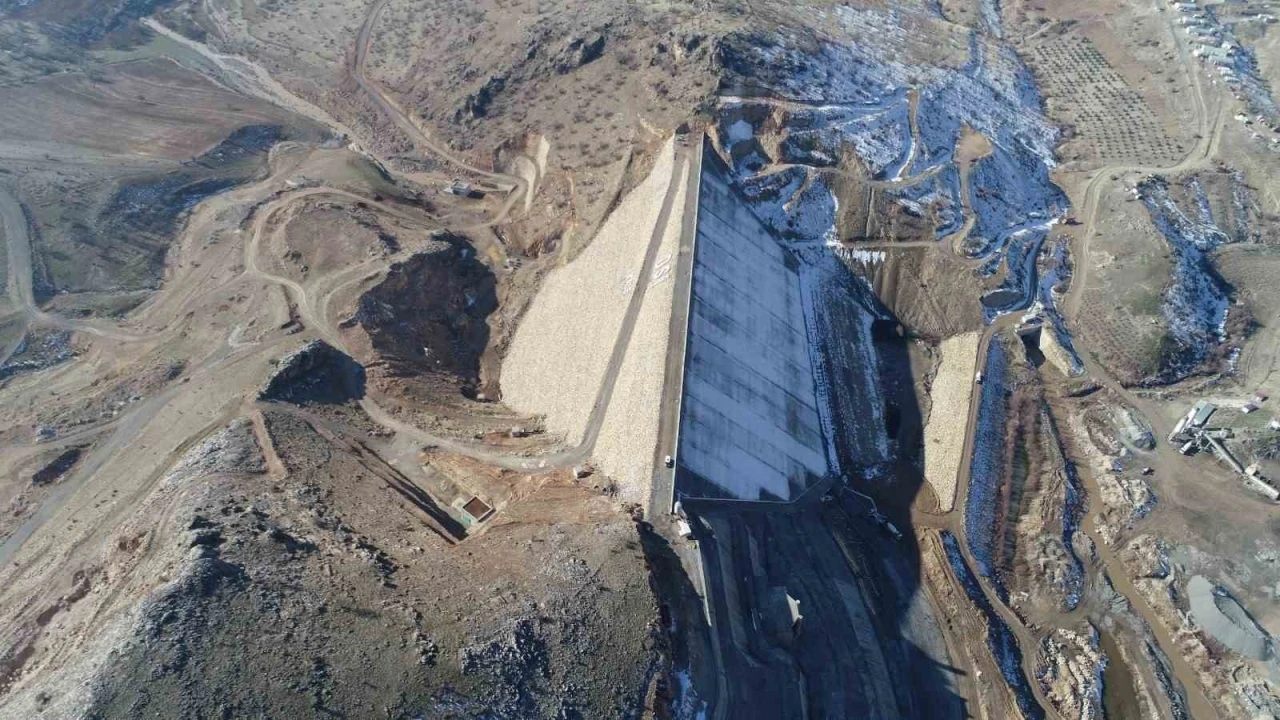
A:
[312,309]
[310,298]
[517,188]
[13,222]
[1210,128]
[1209,131]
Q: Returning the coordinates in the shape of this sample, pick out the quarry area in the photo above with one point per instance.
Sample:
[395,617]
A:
[632,359]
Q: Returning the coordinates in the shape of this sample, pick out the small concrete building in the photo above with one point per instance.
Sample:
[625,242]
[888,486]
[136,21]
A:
[476,510]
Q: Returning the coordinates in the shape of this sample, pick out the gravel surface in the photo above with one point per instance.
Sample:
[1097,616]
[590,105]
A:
[624,450]
[1054,352]
[944,437]
[561,350]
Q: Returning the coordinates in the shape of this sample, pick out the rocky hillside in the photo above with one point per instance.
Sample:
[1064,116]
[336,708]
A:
[323,591]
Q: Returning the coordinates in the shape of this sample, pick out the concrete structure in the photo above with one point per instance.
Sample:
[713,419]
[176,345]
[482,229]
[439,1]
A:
[781,616]
[1257,485]
[767,570]
[801,624]
[1211,52]
[749,425]
[475,510]
[1222,452]
[793,611]
[463,189]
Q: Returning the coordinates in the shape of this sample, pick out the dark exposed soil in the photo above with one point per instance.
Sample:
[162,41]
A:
[425,325]
[315,373]
[39,350]
[58,467]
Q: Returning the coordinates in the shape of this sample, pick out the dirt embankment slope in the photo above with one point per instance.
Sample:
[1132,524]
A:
[423,327]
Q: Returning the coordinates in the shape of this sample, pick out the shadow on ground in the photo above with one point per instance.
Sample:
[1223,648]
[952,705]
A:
[316,373]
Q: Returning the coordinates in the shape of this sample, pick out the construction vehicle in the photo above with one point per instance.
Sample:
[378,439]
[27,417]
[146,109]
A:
[878,517]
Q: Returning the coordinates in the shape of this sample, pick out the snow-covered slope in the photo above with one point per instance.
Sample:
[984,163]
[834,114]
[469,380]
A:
[839,104]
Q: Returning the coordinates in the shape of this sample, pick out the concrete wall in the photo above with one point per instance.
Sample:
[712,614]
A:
[749,424]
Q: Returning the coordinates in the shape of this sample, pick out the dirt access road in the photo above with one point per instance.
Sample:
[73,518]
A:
[953,521]
[1028,640]
[149,427]
[138,420]
[1209,131]
[1210,112]
[312,300]
[517,188]
[13,222]
[246,76]
[662,482]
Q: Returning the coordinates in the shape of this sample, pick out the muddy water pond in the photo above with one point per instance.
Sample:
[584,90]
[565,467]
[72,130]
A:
[1001,298]
[1119,695]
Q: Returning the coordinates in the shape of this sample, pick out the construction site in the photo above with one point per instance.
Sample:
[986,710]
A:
[419,359]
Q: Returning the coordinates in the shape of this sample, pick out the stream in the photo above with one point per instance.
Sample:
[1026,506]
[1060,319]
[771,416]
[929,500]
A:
[1197,704]
[1119,694]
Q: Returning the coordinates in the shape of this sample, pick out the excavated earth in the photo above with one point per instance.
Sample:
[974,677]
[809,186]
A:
[425,324]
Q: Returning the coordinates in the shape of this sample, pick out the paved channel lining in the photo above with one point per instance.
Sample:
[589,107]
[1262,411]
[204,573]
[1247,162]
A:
[563,348]
[749,424]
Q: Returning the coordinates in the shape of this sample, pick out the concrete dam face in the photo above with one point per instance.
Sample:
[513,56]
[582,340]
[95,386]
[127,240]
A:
[749,424]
